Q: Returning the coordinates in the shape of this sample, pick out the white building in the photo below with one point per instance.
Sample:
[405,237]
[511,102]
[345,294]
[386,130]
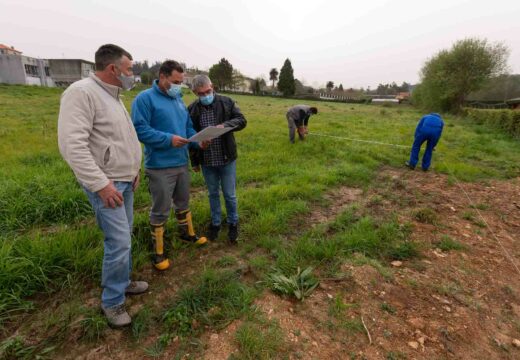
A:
[20,69]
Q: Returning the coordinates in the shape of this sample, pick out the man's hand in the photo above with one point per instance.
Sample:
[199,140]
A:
[179,141]
[196,168]
[220,126]
[204,144]
[135,183]
[110,196]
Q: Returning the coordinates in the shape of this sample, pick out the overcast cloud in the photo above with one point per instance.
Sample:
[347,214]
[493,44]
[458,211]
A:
[353,43]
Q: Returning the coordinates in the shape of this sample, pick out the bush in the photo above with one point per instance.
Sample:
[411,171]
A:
[506,120]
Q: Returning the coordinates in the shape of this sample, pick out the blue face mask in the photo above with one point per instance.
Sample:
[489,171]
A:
[207,100]
[175,90]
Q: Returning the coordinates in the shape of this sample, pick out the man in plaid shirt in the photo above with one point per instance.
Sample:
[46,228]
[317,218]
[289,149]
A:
[218,160]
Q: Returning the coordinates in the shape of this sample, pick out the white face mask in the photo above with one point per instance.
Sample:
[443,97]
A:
[127,81]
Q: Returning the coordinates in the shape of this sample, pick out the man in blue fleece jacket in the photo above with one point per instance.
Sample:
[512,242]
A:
[163,125]
[428,129]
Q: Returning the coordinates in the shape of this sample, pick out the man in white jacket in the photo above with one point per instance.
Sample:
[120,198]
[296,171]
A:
[97,139]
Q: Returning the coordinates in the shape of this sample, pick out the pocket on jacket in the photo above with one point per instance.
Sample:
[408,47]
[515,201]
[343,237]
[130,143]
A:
[106,155]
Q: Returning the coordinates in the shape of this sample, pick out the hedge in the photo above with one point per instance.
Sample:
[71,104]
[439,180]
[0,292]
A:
[506,120]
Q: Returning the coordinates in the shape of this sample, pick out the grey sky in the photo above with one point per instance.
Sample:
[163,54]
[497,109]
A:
[359,43]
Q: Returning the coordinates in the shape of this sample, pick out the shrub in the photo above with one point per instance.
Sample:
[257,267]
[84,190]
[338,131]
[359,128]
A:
[505,120]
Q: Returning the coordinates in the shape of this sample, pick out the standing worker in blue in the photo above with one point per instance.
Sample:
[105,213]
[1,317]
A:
[163,125]
[429,129]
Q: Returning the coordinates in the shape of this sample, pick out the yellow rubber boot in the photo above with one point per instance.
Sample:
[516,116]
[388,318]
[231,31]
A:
[187,233]
[159,259]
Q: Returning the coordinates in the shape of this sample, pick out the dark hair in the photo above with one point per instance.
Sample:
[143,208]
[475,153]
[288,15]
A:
[169,66]
[314,110]
[108,54]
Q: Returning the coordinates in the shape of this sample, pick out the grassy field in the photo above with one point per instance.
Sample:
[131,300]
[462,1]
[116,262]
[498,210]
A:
[49,243]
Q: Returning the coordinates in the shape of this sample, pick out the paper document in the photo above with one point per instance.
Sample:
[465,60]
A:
[209,133]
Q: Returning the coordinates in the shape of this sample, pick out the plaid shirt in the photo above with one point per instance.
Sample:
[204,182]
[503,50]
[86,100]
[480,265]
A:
[214,153]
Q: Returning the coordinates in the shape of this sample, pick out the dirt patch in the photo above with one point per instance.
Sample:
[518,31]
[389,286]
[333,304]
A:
[448,304]
[336,201]
[220,345]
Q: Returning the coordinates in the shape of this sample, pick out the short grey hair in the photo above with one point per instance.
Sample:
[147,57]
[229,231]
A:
[200,81]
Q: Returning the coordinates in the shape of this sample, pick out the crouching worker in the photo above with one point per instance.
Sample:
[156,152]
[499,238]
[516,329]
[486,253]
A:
[298,119]
[218,160]
[428,129]
[163,125]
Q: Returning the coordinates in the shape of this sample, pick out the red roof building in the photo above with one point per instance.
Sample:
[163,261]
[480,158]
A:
[4,49]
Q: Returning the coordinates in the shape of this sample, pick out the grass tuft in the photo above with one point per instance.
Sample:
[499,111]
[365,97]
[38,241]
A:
[426,215]
[447,243]
[259,339]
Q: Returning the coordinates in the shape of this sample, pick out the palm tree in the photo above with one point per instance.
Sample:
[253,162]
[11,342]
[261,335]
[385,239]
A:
[273,75]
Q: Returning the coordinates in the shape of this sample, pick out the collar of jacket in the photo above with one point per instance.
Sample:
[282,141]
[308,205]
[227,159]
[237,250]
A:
[113,90]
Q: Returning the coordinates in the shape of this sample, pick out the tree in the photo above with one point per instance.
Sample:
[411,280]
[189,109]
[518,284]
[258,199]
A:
[221,74]
[147,77]
[273,75]
[140,67]
[237,79]
[286,79]
[500,88]
[449,76]
[330,85]
[340,88]
[257,85]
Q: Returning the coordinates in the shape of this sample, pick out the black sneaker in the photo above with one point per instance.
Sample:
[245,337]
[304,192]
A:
[233,233]
[213,232]
[411,167]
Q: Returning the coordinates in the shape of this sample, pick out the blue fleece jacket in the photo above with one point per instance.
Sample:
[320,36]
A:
[430,124]
[157,117]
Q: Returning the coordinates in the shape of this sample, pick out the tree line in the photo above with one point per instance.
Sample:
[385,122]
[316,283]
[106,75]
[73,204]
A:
[446,79]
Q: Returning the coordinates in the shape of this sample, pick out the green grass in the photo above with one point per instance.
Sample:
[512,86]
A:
[49,240]
[388,308]
[346,236]
[259,339]
[447,243]
[94,326]
[216,299]
[337,308]
[142,322]
[426,215]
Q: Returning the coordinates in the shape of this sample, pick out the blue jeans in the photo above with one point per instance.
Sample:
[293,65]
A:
[116,225]
[431,139]
[225,176]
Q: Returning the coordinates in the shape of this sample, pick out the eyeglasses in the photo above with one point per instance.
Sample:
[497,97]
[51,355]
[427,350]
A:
[207,92]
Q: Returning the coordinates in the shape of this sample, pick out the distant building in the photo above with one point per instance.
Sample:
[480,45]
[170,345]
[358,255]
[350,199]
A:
[66,71]
[244,86]
[19,69]
[403,96]
[189,74]
[6,50]
[384,100]
[514,104]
